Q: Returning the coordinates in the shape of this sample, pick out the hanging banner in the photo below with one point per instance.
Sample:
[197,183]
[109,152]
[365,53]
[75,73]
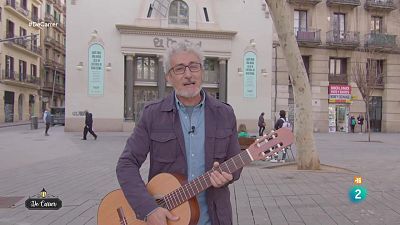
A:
[250,75]
[96,70]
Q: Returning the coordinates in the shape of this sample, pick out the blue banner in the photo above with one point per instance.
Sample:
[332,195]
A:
[96,70]
[250,75]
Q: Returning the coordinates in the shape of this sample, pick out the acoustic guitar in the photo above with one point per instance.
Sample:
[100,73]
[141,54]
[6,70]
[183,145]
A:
[172,192]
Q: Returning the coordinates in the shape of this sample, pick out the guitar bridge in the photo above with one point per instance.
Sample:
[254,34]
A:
[121,215]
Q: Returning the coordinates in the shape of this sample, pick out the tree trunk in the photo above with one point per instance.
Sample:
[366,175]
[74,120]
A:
[368,120]
[307,155]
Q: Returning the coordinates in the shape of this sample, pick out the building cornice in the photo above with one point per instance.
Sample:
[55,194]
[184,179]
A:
[175,32]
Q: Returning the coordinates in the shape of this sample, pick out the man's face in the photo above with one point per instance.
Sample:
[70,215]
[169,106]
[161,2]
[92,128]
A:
[186,74]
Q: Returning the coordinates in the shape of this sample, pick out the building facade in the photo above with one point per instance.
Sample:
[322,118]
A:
[20,52]
[114,59]
[32,54]
[53,54]
[333,36]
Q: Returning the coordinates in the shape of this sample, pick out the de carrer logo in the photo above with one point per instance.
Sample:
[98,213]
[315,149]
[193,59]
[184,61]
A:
[43,201]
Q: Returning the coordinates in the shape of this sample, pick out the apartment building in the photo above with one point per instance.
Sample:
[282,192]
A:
[333,35]
[20,52]
[53,55]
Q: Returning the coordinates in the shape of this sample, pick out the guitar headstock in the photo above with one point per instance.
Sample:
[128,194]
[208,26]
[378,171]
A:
[270,144]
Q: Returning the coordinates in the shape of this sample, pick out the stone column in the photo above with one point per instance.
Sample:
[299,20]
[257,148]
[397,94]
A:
[161,77]
[130,70]
[222,79]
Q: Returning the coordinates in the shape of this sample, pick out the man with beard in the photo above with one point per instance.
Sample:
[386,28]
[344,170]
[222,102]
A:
[189,132]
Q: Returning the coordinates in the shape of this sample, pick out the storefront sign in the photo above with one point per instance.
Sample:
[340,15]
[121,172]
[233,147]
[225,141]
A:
[96,70]
[340,94]
[250,75]
[167,42]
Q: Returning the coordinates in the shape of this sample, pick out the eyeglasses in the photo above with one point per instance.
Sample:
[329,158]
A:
[181,69]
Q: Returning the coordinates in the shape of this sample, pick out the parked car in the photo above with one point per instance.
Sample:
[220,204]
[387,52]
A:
[57,115]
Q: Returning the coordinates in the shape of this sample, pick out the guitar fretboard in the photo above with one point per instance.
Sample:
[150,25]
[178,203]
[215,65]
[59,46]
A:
[201,183]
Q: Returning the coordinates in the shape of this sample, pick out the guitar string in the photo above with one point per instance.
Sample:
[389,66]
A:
[176,195]
[205,177]
[178,192]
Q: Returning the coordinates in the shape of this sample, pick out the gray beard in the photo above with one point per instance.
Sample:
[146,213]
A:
[186,94]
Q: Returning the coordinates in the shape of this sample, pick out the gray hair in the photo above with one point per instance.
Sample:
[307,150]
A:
[179,47]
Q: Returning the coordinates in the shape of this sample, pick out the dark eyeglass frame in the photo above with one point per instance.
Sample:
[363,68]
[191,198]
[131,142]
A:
[186,66]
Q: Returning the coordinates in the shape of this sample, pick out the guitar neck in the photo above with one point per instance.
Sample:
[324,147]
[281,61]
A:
[201,183]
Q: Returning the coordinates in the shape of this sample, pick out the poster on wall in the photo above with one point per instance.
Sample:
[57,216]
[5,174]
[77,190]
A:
[96,70]
[250,75]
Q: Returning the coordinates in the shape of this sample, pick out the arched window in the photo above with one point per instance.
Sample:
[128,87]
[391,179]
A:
[178,13]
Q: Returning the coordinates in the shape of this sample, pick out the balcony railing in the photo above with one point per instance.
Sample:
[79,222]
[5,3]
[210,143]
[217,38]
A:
[20,42]
[22,11]
[9,34]
[35,18]
[304,2]
[383,5]
[350,3]
[58,5]
[11,3]
[48,17]
[57,86]
[338,79]
[379,83]
[49,40]
[53,64]
[60,26]
[17,77]
[345,39]
[15,5]
[379,40]
[59,45]
[308,36]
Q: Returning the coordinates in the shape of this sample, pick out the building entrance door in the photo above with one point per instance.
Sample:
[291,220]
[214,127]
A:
[20,107]
[338,118]
[342,118]
[9,106]
[375,112]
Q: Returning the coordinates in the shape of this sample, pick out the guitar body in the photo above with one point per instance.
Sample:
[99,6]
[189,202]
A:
[114,209]
[175,194]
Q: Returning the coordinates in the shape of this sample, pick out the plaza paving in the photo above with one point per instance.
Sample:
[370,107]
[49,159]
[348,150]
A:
[82,172]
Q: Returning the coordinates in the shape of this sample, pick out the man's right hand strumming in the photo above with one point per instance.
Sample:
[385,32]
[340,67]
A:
[159,217]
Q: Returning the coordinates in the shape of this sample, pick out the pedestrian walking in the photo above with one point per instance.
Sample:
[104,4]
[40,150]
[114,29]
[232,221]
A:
[88,126]
[261,124]
[47,121]
[353,123]
[360,119]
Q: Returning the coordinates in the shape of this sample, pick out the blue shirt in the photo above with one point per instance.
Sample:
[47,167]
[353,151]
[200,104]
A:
[193,128]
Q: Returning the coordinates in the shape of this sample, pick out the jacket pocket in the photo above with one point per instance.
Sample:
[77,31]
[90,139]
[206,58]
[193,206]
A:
[222,138]
[164,147]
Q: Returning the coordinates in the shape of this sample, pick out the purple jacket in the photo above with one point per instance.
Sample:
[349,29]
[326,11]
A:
[159,133]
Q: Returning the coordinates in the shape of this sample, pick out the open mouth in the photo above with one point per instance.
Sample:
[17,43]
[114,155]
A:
[189,83]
